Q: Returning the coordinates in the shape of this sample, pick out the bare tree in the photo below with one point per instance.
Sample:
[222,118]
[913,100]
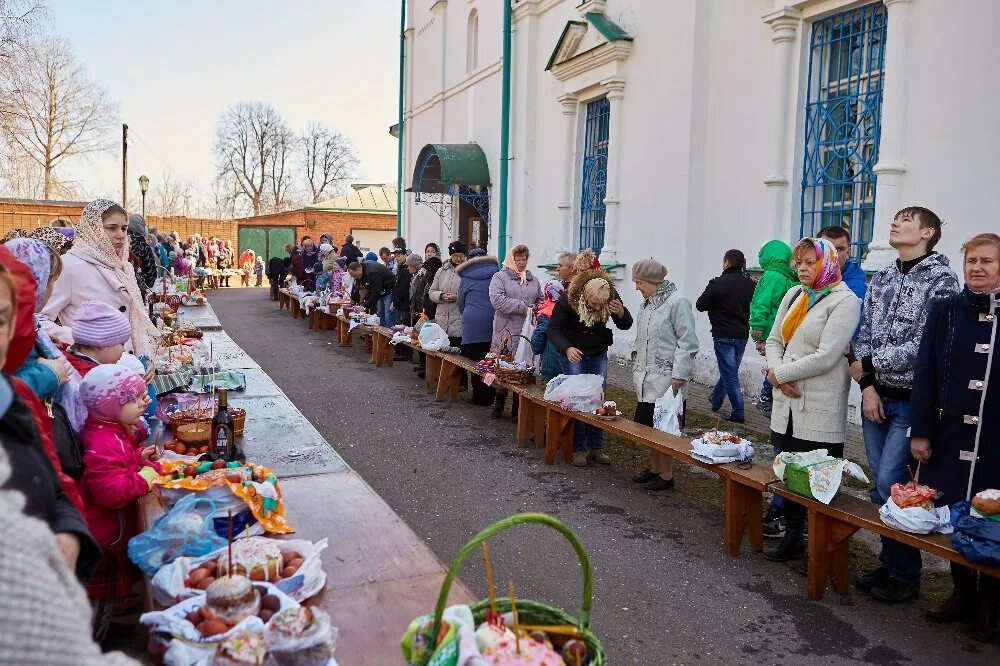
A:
[19,22]
[49,109]
[21,177]
[168,196]
[252,146]
[329,159]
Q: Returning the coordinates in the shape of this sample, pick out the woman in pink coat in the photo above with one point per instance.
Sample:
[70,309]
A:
[514,293]
[97,269]
[115,475]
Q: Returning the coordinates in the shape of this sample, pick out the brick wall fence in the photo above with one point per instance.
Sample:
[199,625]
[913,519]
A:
[23,214]
[18,214]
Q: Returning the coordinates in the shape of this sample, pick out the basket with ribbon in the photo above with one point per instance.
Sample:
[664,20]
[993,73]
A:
[508,629]
[505,367]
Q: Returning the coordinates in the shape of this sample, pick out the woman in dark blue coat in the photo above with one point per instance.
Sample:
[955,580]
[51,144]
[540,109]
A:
[955,415]
[477,315]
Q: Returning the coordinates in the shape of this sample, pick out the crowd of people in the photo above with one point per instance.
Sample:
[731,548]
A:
[917,342]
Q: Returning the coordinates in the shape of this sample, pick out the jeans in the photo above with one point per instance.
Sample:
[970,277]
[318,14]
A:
[887,445]
[766,391]
[585,436]
[729,354]
[382,310]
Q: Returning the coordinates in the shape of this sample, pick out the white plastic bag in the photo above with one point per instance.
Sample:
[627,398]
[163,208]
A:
[916,519]
[524,353]
[667,412]
[433,338]
[825,471]
[580,393]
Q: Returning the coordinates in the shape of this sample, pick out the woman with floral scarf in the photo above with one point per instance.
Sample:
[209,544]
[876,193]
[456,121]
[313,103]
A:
[97,269]
[807,361]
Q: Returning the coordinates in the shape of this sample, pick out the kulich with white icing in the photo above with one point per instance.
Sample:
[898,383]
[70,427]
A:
[255,557]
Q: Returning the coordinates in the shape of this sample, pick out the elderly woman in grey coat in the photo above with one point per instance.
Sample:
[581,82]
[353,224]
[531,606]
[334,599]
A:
[665,346]
[514,294]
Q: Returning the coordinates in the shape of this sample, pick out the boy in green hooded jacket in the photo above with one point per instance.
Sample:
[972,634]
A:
[777,279]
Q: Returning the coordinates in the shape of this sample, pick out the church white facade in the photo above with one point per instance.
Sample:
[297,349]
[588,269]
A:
[679,129]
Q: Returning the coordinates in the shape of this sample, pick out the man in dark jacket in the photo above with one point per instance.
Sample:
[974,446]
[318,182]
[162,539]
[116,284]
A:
[727,301]
[350,251]
[378,282]
[276,275]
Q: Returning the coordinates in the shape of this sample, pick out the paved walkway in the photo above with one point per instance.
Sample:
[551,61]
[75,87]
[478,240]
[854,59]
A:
[664,590]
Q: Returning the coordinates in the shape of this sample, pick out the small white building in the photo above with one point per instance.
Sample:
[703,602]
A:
[679,129]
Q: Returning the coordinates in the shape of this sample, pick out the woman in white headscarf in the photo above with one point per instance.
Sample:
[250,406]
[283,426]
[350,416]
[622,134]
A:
[97,269]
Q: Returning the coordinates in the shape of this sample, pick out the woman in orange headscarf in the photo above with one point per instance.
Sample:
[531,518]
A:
[806,354]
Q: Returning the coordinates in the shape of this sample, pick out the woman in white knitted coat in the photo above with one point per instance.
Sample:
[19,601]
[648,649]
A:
[806,357]
[44,611]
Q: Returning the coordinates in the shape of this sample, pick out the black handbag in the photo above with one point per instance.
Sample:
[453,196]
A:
[66,441]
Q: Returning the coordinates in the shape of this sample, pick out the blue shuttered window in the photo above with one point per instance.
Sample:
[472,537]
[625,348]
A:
[843,123]
[594,174]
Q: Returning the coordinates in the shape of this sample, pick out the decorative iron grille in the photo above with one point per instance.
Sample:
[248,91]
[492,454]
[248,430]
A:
[843,123]
[594,175]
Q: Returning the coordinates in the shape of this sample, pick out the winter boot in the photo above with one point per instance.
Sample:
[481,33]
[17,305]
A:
[961,605]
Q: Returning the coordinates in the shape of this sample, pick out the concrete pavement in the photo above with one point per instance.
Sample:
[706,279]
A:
[664,590]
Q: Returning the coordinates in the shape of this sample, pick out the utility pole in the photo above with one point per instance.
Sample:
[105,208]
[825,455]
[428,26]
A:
[124,166]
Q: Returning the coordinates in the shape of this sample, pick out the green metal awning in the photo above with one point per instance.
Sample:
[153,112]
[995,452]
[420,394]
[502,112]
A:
[440,166]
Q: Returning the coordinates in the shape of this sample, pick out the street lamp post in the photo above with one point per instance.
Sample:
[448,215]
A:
[143,187]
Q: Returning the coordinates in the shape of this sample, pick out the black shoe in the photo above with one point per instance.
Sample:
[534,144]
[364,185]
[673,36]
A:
[790,548]
[870,579]
[496,412]
[773,524]
[732,419]
[894,591]
[984,629]
[959,606]
[659,483]
[645,476]
[421,374]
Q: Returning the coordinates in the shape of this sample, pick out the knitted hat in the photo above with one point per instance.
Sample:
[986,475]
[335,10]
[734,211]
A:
[132,362]
[477,252]
[108,387]
[415,260]
[649,270]
[325,247]
[98,324]
[457,247]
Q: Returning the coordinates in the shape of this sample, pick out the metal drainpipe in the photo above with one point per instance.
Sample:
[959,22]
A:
[399,154]
[504,131]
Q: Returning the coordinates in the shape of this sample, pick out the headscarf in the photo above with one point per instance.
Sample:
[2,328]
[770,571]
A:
[827,277]
[137,224]
[552,291]
[509,263]
[51,237]
[93,243]
[38,258]
[596,287]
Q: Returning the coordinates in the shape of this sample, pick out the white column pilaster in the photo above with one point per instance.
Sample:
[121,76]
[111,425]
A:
[784,33]
[616,93]
[570,109]
[891,167]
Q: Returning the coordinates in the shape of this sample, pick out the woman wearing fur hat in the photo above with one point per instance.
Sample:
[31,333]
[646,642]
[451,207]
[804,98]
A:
[578,329]
[666,343]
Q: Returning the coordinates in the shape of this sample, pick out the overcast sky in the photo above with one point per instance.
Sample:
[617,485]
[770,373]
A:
[173,66]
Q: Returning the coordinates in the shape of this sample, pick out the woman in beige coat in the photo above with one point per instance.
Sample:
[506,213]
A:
[806,357]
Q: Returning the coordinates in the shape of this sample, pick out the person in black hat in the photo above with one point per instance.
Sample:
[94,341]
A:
[378,281]
[444,292]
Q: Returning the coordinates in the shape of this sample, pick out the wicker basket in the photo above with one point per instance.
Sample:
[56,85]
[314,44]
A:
[528,612]
[506,375]
[187,416]
[172,300]
[199,433]
[239,420]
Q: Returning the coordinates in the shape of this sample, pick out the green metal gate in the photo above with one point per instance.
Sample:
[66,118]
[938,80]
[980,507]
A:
[277,239]
[253,238]
[265,241]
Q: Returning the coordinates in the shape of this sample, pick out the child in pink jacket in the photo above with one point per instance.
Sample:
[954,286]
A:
[116,474]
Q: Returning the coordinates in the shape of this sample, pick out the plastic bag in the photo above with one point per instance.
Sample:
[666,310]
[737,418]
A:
[456,643]
[524,353]
[916,519]
[977,539]
[667,412]
[186,530]
[433,338]
[823,473]
[580,393]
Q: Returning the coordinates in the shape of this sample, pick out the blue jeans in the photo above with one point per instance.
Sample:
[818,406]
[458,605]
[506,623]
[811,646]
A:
[585,436]
[766,391]
[729,354]
[887,445]
[382,310]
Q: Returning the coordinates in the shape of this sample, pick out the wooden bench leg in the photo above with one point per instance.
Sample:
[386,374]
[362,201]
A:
[343,333]
[829,540]
[432,372]
[539,414]
[446,377]
[743,516]
[387,351]
[314,320]
[558,437]
[525,418]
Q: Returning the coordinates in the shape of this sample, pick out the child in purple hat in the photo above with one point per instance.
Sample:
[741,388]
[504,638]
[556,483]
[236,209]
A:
[99,334]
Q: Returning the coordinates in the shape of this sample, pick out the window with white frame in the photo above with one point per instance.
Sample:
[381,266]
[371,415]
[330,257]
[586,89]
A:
[472,42]
[843,116]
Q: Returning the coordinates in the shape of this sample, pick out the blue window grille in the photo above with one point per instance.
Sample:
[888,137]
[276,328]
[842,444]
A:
[595,175]
[843,123]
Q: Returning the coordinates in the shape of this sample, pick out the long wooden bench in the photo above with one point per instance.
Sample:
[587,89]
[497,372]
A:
[831,527]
